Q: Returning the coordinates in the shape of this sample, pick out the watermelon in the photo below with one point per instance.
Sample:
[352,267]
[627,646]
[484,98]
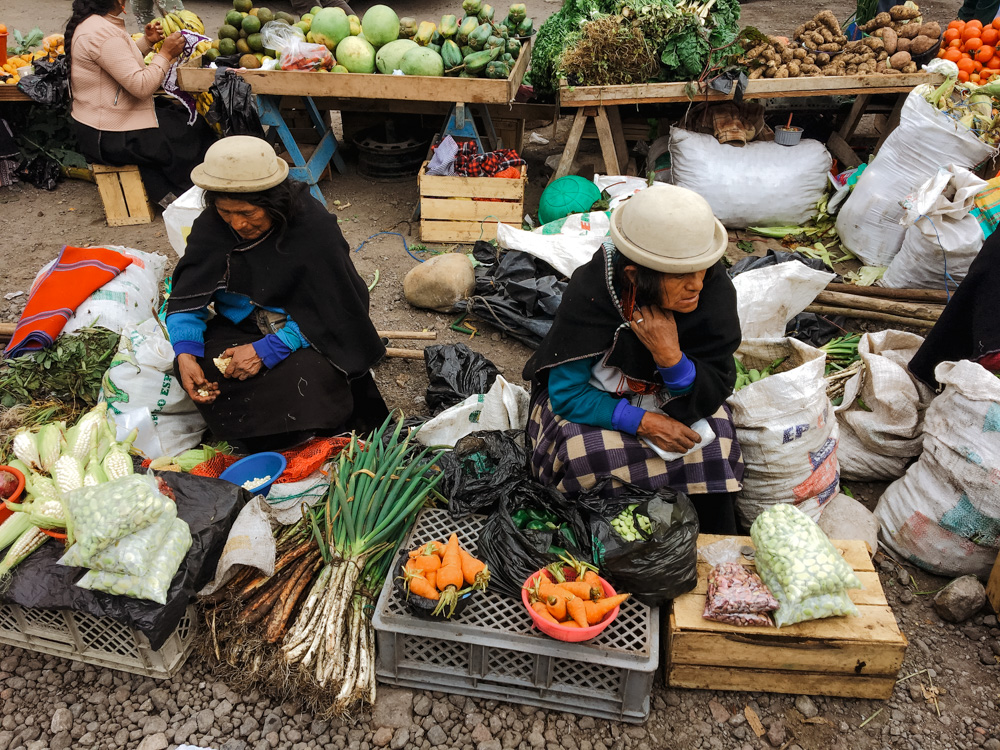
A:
[422,62]
[356,54]
[330,27]
[380,25]
[388,57]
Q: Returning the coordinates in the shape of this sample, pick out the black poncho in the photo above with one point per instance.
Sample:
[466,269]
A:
[590,322]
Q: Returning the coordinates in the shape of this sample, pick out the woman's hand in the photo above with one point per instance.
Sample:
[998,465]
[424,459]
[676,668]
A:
[666,433]
[657,331]
[154,32]
[245,362]
[193,380]
[173,45]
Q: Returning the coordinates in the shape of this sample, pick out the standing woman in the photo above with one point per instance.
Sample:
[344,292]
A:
[116,118]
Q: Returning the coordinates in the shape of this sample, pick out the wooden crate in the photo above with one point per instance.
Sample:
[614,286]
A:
[850,657]
[123,195]
[993,587]
[466,209]
[510,131]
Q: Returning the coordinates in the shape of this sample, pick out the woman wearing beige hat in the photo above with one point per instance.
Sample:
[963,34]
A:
[288,352]
[630,383]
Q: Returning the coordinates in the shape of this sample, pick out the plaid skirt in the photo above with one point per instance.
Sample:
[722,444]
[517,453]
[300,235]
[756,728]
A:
[574,457]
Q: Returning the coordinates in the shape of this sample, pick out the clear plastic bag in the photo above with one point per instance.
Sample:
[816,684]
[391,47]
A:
[99,516]
[276,35]
[155,584]
[736,595]
[800,566]
[303,56]
[133,554]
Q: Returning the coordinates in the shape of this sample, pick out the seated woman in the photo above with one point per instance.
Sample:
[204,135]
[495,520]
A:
[969,327]
[640,351]
[291,311]
[116,119]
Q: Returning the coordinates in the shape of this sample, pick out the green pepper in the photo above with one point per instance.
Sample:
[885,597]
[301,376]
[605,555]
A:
[553,550]
[520,518]
[536,526]
[537,515]
[569,536]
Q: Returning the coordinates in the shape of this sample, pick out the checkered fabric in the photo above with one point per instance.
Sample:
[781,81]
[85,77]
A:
[470,163]
[574,457]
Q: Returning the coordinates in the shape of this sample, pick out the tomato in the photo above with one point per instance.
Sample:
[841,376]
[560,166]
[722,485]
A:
[970,32]
[974,22]
[972,44]
[952,54]
[955,44]
[974,78]
[966,65]
[985,53]
[977,66]
[994,63]
[996,24]
[963,76]
[957,25]
[990,36]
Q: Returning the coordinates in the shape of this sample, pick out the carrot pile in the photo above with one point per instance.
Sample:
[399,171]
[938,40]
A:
[444,573]
[569,593]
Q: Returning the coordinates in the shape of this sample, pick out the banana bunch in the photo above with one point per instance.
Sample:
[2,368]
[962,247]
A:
[202,102]
[201,48]
[182,19]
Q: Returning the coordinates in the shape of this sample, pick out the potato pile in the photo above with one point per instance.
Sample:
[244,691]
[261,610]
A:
[820,47]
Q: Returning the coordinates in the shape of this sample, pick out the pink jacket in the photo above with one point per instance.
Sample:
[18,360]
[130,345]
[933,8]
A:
[112,87]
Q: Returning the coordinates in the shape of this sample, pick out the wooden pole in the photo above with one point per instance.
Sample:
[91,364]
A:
[870,315]
[405,353]
[413,335]
[922,295]
[893,307]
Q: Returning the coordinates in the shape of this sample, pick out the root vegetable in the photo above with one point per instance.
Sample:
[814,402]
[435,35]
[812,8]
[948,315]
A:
[910,67]
[907,30]
[931,29]
[543,611]
[794,69]
[880,68]
[827,19]
[874,43]
[881,20]
[799,54]
[756,73]
[882,56]
[822,59]
[474,572]
[786,55]
[889,39]
[597,611]
[831,47]
[921,44]
[900,59]
[576,609]
[903,13]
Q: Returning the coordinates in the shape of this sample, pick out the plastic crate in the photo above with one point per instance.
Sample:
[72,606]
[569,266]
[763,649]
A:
[100,641]
[492,650]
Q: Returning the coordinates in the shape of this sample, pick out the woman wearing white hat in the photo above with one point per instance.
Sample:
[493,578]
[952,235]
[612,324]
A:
[630,383]
[291,337]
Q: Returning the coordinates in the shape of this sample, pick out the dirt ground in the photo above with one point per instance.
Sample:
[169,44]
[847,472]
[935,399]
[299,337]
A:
[36,224]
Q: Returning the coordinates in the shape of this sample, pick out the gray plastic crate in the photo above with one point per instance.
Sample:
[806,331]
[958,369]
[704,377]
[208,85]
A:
[493,650]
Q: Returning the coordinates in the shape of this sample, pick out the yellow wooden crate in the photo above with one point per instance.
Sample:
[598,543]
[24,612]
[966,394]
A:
[123,195]
[851,657]
[466,209]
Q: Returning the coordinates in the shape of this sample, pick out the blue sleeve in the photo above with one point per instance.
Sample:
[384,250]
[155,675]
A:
[291,336]
[271,350]
[187,332]
[680,377]
[574,399]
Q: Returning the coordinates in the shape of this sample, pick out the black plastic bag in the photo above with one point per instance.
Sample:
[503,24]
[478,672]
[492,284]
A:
[513,554]
[455,372]
[209,506]
[42,172]
[233,106]
[479,471]
[657,567]
[49,84]
[773,258]
[814,329]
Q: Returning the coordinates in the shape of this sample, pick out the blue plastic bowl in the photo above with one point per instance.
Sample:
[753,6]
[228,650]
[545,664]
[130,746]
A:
[257,465]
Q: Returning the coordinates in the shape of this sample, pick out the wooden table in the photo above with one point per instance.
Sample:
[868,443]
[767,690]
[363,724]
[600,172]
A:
[602,102]
[271,86]
[12,94]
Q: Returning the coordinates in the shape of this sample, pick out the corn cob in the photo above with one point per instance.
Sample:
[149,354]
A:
[27,543]
[50,445]
[12,528]
[82,437]
[47,514]
[117,463]
[26,448]
[67,474]
[39,486]
[95,474]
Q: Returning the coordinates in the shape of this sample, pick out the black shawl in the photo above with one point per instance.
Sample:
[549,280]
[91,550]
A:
[969,327]
[306,270]
[590,322]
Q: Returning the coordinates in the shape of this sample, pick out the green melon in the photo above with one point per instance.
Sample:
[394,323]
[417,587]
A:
[227,47]
[380,25]
[422,61]
[255,43]
[229,32]
[251,25]
[330,27]
[388,57]
[356,54]
[234,18]
[265,15]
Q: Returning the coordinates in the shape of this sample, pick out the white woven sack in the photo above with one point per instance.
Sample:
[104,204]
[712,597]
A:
[944,513]
[760,184]
[787,430]
[878,439]
[767,298]
[943,237]
[869,221]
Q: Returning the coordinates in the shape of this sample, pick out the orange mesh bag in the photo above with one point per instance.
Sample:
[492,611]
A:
[310,457]
[214,466]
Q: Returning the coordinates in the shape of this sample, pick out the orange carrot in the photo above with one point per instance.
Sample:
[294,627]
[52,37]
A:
[474,571]
[542,610]
[593,579]
[416,583]
[557,607]
[569,624]
[581,589]
[575,609]
[431,548]
[597,611]
[426,562]
[450,572]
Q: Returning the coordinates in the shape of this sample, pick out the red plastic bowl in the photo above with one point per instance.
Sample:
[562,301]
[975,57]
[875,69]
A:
[561,632]
[4,510]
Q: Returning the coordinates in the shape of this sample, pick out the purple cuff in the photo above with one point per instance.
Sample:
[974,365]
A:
[627,417]
[271,350]
[678,378]
[197,348]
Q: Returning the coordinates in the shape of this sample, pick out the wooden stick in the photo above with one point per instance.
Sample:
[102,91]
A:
[894,307]
[405,353]
[421,335]
[870,315]
[922,295]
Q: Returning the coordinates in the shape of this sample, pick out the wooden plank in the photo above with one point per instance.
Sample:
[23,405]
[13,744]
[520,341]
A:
[139,211]
[192,77]
[748,650]
[615,121]
[578,96]
[844,154]
[457,231]
[568,157]
[471,210]
[855,551]
[612,159]
[854,117]
[110,189]
[462,187]
[875,624]
[105,169]
[993,587]
[771,681]
[12,94]
[872,592]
